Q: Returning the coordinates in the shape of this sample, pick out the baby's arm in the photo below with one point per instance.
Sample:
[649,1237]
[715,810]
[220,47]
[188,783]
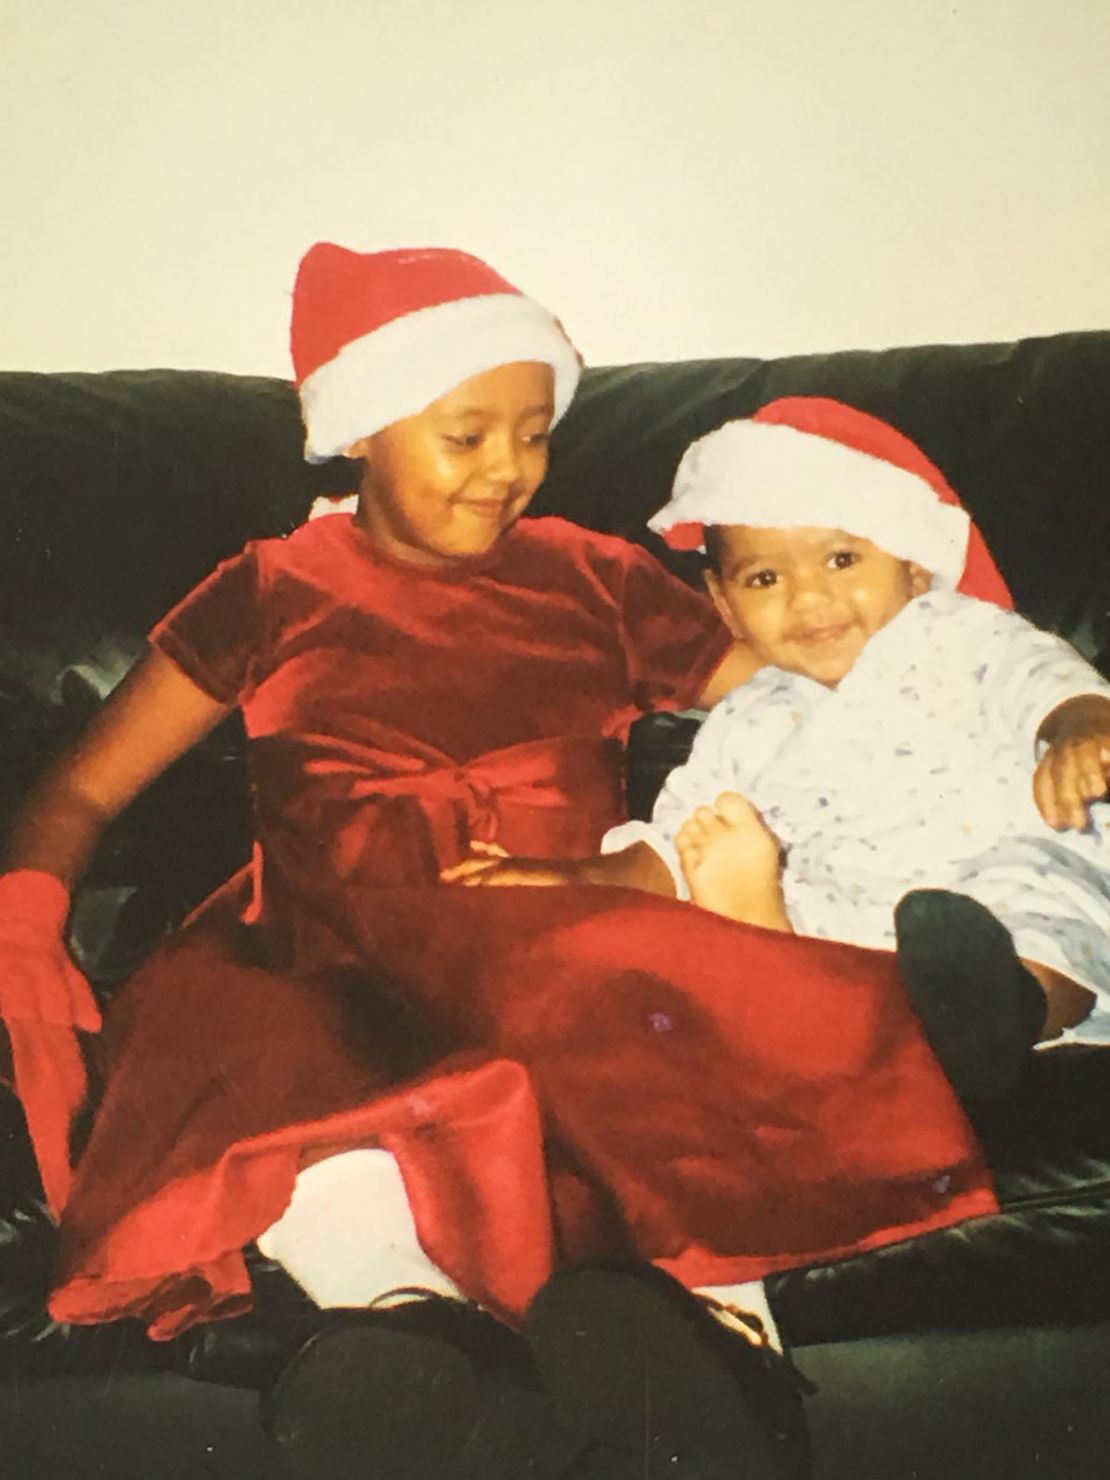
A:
[1075,768]
[1038,690]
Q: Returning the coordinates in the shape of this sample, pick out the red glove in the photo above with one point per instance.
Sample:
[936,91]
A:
[44,999]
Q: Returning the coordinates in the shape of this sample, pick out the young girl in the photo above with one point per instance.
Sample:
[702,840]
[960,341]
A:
[388,1083]
[902,735]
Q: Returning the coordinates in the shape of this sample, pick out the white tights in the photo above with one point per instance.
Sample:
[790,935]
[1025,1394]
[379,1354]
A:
[348,1235]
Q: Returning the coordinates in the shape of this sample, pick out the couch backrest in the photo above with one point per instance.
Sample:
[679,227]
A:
[118,491]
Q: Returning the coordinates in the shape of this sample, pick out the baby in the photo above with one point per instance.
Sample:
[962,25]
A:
[913,767]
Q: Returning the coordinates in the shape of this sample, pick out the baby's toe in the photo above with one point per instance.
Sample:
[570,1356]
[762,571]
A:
[690,850]
[734,809]
[690,836]
[706,822]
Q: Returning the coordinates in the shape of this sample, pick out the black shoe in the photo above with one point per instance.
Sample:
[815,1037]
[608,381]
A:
[981,1010]
[645,1369]
[432,1389]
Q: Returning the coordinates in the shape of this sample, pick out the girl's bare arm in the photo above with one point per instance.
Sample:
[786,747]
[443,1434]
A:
[155,715]
[635,867]
[736,667]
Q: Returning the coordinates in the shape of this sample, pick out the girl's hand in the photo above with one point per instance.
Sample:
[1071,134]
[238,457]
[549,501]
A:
[489,864]
[1075,769]
[44,1000]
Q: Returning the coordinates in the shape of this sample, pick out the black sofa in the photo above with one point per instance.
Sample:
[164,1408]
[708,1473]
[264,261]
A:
[980,1351]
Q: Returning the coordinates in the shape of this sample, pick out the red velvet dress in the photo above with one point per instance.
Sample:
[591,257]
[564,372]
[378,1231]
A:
[561,1073]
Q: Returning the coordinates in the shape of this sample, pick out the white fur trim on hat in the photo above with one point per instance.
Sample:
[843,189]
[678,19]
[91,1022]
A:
[772,476]
[408,363]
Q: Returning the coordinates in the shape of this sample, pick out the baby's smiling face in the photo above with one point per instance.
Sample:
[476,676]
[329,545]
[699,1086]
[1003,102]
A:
[808,600]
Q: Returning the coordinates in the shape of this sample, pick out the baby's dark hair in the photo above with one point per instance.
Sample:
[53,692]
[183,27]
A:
[714,549]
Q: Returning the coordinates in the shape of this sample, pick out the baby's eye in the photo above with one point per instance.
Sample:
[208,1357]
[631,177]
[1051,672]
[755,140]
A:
[462,439]
[842,559]
[761,579]
[537,439]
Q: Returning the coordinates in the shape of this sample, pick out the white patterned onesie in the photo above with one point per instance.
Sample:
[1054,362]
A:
[914,772]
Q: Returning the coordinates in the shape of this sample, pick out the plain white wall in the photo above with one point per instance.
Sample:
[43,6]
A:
[675,177]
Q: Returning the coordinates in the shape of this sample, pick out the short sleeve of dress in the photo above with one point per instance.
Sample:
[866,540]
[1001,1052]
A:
[214,633]
[673,638]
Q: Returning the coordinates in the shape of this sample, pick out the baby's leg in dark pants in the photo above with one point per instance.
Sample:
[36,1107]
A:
[981,1008]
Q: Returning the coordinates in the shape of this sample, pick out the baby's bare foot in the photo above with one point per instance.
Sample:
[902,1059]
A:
[733,863]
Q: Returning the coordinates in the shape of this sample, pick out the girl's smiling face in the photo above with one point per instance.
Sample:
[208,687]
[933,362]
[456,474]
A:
[808,600]
[444,485]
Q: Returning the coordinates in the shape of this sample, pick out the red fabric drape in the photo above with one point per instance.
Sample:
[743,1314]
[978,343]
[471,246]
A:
[612,1076]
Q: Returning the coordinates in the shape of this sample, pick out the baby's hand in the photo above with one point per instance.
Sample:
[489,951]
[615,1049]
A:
[489,864]
[1075,768]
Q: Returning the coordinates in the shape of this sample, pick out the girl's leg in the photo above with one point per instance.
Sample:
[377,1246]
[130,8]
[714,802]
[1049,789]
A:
[750,1300]
[668,1384]
[348,1236]
[408,1385]
[411,1380]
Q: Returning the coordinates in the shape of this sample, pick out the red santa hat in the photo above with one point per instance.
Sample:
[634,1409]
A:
[378,336]
[811,461]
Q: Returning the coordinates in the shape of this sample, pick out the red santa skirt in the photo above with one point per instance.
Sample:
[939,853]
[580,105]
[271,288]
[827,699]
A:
[562,1075]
